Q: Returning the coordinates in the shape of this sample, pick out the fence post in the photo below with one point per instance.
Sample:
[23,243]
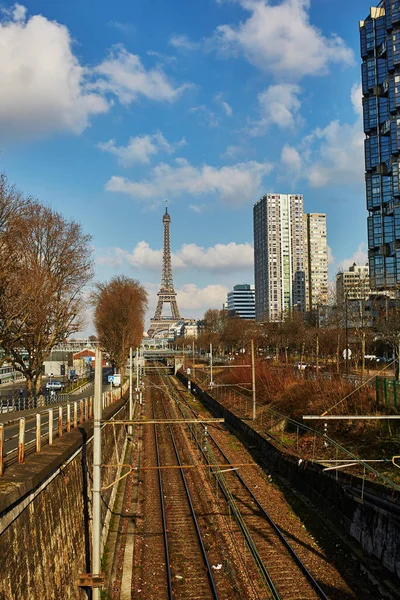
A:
[50,426]
[75,415]
[60,421]
[86,409]
[21,440]
[1,449]
[38,432]
[80,412]
[91,407]
[68,417]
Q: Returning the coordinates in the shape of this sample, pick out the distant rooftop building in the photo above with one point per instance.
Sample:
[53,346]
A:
[355,285]
[241,301]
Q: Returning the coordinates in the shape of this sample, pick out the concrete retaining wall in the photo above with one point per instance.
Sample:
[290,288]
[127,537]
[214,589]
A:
[45,517]
[373,521]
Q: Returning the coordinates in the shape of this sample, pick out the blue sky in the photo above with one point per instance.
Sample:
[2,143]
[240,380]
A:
[108,108]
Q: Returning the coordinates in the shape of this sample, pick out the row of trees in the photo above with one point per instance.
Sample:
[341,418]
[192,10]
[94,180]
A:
[321,336]
[45,267]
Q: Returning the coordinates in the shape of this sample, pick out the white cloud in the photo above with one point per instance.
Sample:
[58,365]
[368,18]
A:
[218,258]
[227,107]
[190,297]
[331,155]
[360,257]
[233,152]
[19,12]
[291,159]
[206,116]
[43,86]
[281,39]
[125,76]
[340,151]
[279,105]
[182,41]
[141,148]
[125,28]
[198,208]
[331,258]
[221,258]
[356,99]
[236,184]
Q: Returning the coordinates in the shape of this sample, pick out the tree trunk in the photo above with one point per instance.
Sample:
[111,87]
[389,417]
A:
[338,354]
[362,355]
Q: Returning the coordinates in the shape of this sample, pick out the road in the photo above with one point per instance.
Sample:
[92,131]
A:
[11,425]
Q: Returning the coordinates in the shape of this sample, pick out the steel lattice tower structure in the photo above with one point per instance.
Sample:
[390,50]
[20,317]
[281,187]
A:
[167,292]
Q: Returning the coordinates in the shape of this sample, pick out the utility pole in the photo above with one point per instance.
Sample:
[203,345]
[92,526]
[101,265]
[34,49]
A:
[193,359]
[347,333]
[317,343]
[253,379]
[137,374]
[211,367]
[130,428]
[96,525]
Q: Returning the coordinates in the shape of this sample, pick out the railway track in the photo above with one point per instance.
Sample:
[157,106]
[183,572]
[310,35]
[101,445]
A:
[200,529]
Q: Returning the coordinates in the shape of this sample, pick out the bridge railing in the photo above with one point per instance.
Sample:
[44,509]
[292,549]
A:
[28,434]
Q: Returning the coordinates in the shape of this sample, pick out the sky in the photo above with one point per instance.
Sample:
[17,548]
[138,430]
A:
[108,109]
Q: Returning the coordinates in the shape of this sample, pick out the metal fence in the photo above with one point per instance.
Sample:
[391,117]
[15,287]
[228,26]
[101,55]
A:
[30,433]
[387,391]
[18,403]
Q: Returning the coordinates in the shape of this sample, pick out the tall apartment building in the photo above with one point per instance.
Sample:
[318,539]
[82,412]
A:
[290,257]
[278,255]
[380,52]
[241,301]
[315,260]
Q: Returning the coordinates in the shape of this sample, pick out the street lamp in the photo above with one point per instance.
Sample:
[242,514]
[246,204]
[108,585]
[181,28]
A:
[347,333]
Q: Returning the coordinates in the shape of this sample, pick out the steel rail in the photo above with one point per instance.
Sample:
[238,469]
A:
[202,547]
[291,550]
[165,535]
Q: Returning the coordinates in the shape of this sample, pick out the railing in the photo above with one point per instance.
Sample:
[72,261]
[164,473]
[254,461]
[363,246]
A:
[41,426]
[19,403]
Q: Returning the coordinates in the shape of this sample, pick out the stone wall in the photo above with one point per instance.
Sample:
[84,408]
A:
[45,538]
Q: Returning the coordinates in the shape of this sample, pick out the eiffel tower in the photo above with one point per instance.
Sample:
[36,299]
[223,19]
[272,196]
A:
[167,293]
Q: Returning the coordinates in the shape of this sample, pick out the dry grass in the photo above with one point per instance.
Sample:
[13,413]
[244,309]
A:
[294,396]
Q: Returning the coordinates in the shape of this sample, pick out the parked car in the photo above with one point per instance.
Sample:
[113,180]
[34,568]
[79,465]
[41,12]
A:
[54,385]
[301,366]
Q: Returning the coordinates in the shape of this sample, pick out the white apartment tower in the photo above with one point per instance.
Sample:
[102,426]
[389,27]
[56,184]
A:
[316,260]
[278,255]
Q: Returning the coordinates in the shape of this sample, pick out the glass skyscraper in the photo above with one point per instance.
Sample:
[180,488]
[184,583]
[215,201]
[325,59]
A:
[380,52]
[241,301]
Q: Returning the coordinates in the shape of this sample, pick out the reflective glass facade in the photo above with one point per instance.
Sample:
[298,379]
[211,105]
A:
[380,52]
[241,302]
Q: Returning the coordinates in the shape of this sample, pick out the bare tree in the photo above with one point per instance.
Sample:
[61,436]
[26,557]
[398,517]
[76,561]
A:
[120,307]
[50,265]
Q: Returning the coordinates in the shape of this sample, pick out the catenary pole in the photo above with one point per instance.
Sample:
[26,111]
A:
[130,430]
[96,525]
[253,379]
[211,366]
